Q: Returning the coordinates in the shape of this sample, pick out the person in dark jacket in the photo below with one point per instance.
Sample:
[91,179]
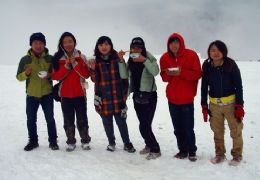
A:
[142,70]
[70,68]
[36,69]
[110,76]
[221,81]
[180,68]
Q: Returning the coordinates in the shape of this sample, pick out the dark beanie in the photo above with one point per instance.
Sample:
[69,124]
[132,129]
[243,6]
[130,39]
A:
[37,36]
[137,42]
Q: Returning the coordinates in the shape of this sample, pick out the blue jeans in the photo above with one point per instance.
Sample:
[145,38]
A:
[183,123]
[32,105]
[109,128]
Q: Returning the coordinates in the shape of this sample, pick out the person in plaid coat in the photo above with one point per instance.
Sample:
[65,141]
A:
[110,76]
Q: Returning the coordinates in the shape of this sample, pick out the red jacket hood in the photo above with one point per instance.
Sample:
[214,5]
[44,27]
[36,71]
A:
[182,44]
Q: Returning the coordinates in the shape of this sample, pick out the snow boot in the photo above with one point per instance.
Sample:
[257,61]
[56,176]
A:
[53,146]
[129,148]
[218,159]
[31,145]
[235,161]
[181,155]
[70,147]
[145,150]
[85,146]
[153,155]
[111,147]
[192,156]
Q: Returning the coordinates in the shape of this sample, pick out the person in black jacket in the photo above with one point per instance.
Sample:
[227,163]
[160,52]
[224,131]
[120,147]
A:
[221,80]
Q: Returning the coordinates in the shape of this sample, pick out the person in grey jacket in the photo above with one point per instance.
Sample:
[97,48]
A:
[143,67]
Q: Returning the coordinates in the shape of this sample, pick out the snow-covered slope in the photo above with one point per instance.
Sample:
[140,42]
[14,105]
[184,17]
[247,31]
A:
[42,163]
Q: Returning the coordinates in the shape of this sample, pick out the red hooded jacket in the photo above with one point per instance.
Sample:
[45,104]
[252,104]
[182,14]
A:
[72,79]
[181,89]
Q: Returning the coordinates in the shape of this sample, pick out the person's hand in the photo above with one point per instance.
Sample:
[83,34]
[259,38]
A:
[205,112]
[141,58]
[91,64]
[28,71]
[239,112]
[72,60]
[68,64]
[121,54]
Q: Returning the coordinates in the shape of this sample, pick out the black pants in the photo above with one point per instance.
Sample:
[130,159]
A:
[32,106]
[183,123]
[70,107]
[145,114]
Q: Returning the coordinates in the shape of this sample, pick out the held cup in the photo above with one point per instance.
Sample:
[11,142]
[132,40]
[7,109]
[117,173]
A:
[42,74]
[174,69]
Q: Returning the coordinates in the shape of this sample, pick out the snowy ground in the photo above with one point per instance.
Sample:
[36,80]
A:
[98,163]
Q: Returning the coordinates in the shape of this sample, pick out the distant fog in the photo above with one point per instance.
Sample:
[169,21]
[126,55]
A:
[236,22]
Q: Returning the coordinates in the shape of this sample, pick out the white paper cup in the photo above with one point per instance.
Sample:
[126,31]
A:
[174,69]
[91,58]
[42,74]
[134,55]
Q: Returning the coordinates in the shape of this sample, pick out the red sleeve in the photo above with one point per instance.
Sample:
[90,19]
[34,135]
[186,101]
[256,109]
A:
[163,66]
[61,73]
[194,73]
[81,68]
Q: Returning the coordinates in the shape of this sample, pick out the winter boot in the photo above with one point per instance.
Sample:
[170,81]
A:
[192,156]
[53,146]
[85,146]
[181,155]
[145,150]
[111,147]
[129,148]
[218,159]
[235,161]
[153,155]
[70,147]
[31,145]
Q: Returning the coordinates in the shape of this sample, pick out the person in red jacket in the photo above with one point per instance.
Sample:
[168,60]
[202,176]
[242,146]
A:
[70,68]
[180,68]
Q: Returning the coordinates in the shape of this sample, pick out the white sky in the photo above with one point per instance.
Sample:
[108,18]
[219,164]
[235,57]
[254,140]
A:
[235,22]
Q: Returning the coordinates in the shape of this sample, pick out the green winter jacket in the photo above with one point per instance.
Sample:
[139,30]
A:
[151,69]
[36,86]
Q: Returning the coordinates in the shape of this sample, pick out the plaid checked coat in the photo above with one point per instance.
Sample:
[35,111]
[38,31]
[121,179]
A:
[111,89]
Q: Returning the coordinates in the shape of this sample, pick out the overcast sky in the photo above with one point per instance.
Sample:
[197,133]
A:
[236,22]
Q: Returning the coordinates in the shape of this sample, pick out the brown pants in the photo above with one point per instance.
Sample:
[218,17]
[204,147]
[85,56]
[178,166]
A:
[219,114]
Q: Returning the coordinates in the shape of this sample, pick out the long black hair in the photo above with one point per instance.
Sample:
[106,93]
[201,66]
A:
[221,47]
[60,48]
[101,40]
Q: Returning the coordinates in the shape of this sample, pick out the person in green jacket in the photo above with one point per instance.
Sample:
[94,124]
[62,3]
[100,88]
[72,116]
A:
[143,68]
[36,68]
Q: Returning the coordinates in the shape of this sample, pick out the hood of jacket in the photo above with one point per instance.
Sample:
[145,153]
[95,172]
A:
[182,44]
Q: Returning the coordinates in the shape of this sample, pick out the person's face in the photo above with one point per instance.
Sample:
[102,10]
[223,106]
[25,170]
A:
[215,54]
[136,50]
[174,47]
[104,48]
[68,44]
[38,47]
